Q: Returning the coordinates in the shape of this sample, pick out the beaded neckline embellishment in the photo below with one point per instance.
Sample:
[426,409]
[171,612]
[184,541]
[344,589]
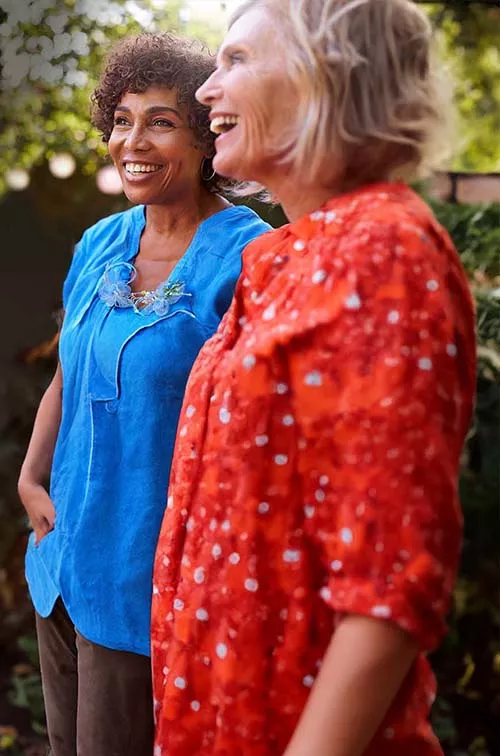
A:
[115,291]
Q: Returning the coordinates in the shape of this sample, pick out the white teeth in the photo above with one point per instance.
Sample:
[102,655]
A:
[141,168]
[217,126]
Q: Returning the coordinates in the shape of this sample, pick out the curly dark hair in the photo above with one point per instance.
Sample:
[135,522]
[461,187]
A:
[158,60]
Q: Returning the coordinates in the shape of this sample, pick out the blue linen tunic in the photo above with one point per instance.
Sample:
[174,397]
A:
[124,376]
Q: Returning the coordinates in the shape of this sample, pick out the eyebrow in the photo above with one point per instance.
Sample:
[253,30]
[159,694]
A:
[151,111]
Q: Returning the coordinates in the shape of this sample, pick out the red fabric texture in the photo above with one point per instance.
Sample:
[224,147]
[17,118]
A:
[315,475]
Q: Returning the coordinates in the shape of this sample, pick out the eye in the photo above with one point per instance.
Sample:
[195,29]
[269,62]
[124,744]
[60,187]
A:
[235,58]
[164,122]
[119,121]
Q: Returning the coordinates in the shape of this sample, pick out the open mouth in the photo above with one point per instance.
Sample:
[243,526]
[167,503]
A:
[223,124]
[134,169]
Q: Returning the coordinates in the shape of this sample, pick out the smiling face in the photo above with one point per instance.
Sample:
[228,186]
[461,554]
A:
[153,148]
[252,101]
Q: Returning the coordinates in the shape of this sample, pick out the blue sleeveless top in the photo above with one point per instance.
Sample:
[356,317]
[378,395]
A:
[124,375]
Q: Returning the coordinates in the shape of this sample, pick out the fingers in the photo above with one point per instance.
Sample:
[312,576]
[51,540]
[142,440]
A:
[41,529]
[52,519]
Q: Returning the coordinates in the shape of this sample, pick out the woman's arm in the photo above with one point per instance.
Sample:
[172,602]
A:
[37,463]
[362,671]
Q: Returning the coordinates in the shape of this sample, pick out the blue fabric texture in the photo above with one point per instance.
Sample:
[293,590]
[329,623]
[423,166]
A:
[124,376]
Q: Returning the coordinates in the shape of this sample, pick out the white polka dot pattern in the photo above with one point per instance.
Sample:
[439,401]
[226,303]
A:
[313,476]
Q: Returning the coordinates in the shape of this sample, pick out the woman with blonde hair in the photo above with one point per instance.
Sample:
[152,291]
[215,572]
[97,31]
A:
[312,533]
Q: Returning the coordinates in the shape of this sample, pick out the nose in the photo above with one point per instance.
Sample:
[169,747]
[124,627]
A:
[136,138]
[210,91]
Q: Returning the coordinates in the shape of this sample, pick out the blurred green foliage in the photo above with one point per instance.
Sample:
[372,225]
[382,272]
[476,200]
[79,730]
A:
[52,52]
[467,711]
[470,38]
[475,229]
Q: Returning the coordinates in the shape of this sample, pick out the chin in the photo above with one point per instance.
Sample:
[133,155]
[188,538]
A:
[233,167]
[224,165]
[135,198]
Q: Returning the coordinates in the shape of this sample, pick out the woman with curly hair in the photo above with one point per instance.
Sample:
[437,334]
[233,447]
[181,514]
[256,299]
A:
[310,545]
[145,289]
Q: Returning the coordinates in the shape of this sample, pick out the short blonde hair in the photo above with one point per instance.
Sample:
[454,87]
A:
[372,106]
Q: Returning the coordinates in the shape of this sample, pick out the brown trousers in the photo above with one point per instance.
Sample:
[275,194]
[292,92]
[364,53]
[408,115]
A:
[98,701]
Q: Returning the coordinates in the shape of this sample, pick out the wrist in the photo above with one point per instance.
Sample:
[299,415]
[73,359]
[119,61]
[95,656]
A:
[27,483]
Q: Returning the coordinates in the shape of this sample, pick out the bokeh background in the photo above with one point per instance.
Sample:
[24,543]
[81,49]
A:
[55,180]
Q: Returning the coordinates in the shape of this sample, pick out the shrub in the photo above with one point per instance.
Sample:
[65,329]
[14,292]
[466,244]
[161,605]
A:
[468,664]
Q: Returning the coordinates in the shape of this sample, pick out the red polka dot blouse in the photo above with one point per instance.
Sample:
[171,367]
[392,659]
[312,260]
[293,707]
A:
[315,475]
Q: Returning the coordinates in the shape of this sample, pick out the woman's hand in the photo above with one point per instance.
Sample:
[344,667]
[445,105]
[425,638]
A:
[39,507]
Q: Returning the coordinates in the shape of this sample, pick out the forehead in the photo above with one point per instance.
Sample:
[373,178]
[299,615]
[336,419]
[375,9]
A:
[254,30]
[152,97]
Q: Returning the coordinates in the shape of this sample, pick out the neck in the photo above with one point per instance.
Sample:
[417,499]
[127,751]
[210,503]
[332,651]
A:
[182,214]
[295,198]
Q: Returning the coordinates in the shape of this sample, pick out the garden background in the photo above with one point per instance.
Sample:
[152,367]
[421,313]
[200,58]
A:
[55,181]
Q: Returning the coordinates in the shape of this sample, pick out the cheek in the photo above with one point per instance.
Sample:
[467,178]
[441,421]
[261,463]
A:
[256,132]
[182,150]
[191,161]
[263,113]
[112,147]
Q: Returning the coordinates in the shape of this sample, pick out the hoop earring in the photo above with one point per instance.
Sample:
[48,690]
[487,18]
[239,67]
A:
[207,171]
